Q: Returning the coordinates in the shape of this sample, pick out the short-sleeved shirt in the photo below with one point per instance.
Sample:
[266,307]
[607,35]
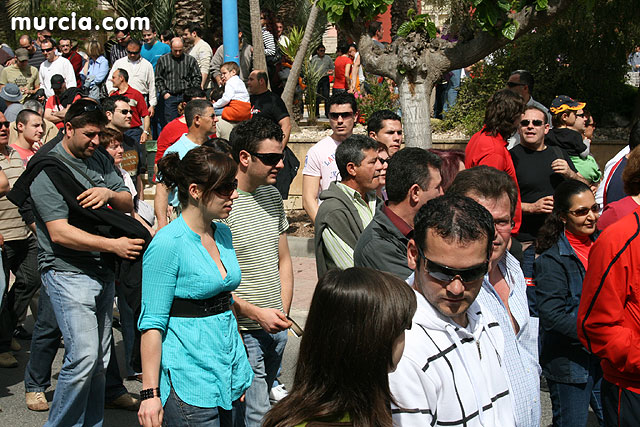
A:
[12,227]
[49,205]
[132,157]
[153,52]
[257,247]
[182,147]
[321,161]
[268,105]
[536,179]
[53,102]
[137,104]
[169,135]
[340,81]
[29,78]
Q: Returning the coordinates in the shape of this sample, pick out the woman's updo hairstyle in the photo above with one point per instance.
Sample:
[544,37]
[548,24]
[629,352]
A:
[203,166]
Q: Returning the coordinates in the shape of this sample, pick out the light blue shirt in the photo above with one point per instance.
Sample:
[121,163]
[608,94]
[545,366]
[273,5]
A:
[182,147]
[98,69]
[521,350]
[152,52]
[204,356]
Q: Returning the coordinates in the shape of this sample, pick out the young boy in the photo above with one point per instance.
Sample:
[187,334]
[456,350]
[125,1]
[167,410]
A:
[235,100]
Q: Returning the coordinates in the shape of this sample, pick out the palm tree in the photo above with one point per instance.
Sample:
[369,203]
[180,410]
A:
[189,11]
[259,58]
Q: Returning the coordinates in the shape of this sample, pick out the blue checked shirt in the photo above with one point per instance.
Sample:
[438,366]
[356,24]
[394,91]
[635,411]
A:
[521,350]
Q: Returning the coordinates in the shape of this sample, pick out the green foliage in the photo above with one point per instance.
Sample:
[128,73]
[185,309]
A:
[161,12]
[312,75]
[496,16]
[295,39]
[379,97]
[345,12]
[417,23]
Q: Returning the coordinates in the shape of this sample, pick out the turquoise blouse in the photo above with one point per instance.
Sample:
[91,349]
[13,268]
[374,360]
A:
[203,358]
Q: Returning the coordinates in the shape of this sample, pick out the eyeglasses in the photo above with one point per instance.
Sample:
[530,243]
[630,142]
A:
[5,125]
[125,112]
[269,159]
[514,84]
[133,53]
[536,123]
[383,161]
[346,115]
[47,50]
[226,189]
[585,211]
[446,274]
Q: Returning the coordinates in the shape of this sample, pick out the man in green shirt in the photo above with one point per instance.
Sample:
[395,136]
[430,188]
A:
[22,74]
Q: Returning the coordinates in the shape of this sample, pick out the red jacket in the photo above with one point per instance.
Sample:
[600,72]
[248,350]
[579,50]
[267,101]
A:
[484,149]
[609,313]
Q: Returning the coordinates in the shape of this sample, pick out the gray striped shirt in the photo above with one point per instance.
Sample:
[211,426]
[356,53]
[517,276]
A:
[174,75]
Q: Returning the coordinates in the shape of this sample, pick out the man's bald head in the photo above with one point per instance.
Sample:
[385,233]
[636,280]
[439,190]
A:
[177,47]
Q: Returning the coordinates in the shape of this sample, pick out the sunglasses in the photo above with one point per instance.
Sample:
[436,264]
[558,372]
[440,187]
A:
[269,159]
[5,125]
[446,274]
[345,115]
[125,112]
[133,53]
[514,84]
[47,50]
[585,211]
[383,161]
[86,109]
[536,123]
[226,189]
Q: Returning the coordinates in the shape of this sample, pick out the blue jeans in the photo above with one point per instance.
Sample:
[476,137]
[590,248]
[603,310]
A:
[180,414]
[171,107]
[452,90]
[570,402]
[83,309]
[264,351]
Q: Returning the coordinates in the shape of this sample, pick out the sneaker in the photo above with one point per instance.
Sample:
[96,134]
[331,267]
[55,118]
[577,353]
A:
[7,360]
[15,345]
[278,393]
[126,402]
[36,401]
[21,333]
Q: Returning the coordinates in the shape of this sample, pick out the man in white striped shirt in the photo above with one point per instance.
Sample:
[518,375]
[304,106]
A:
[504,292]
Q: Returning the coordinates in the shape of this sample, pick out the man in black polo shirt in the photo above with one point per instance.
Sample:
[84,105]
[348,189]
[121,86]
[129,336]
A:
[267,104]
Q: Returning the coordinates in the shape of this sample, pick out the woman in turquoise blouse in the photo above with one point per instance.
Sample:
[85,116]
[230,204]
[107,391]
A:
[193,361]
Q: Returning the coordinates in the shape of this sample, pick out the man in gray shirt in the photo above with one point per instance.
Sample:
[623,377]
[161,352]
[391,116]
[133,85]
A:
[325,66]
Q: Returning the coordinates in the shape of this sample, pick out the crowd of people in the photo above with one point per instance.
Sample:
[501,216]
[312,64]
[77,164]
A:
[453,285]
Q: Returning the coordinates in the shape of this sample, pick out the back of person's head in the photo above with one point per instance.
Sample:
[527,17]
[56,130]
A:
[342,48]
[451,162]
[231,66]
[109,103]
[109,135]
[192,93]
[262,75]
[25,115]
[248,135]
[408,167]
[202,165]
[32,104]
[634,136]
[487,183]
[84,112]
[376,121]
[345,354]
[631,173]
[374,27]
[167,35]
[352,151]
[554,223]
[342,98]
[503,108]
[525,77]
[219,144]
[454,218]
[196,107]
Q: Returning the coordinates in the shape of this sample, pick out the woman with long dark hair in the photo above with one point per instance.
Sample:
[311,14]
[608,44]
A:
[354,337]
[194,364]
[564,241]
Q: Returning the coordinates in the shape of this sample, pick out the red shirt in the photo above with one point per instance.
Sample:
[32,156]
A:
[139,109]
[339,81]
[169,135]
[76,61]
[484,149]
[53,103]
[609,313]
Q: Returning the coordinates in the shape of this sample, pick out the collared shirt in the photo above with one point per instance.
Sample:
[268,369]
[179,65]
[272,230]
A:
[400,223]
[141,77]
[203,53]
[117,51]
[174,75]
[98,68]
[339,251]
[182,146]
[521,349]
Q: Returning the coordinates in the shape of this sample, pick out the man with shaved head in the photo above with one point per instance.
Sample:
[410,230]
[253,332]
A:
[36,57]
[175,72]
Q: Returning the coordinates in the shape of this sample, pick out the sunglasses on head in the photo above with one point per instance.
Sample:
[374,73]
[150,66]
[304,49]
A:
[86,109]
[226,189]
[536,123]
[585,211]
[446,274]
[345,115]
[269,159]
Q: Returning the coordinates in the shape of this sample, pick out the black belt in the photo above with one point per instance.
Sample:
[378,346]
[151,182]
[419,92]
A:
[183,307]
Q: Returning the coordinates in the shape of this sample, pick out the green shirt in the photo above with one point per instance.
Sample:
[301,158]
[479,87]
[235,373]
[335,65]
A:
[24,79]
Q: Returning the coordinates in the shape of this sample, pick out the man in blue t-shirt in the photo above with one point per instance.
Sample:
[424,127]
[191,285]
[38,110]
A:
[152,48]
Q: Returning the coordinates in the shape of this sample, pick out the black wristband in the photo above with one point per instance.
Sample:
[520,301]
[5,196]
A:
[149,393]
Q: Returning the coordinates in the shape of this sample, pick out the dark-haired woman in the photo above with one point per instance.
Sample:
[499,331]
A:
[564,242]
[194,363]
[354,337]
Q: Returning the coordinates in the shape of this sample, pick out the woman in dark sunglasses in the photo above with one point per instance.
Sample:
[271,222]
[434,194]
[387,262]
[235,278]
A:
[194,365]
[564,241]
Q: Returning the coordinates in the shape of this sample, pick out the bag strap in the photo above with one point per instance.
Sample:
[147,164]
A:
[74,167]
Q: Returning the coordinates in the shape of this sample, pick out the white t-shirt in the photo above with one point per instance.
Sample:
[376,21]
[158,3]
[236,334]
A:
[60,66]
[321,161]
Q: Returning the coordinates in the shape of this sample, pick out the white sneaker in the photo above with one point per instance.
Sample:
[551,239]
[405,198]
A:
[277,393]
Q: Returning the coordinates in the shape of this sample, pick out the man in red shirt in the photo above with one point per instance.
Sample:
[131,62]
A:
[73,56]
[609,318]
[342,69]
[489,146]
[138,106]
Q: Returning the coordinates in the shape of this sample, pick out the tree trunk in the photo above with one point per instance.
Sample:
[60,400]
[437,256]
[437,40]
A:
[259,58]
[416,117]
[292,81]
[399,10]
[189,11]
